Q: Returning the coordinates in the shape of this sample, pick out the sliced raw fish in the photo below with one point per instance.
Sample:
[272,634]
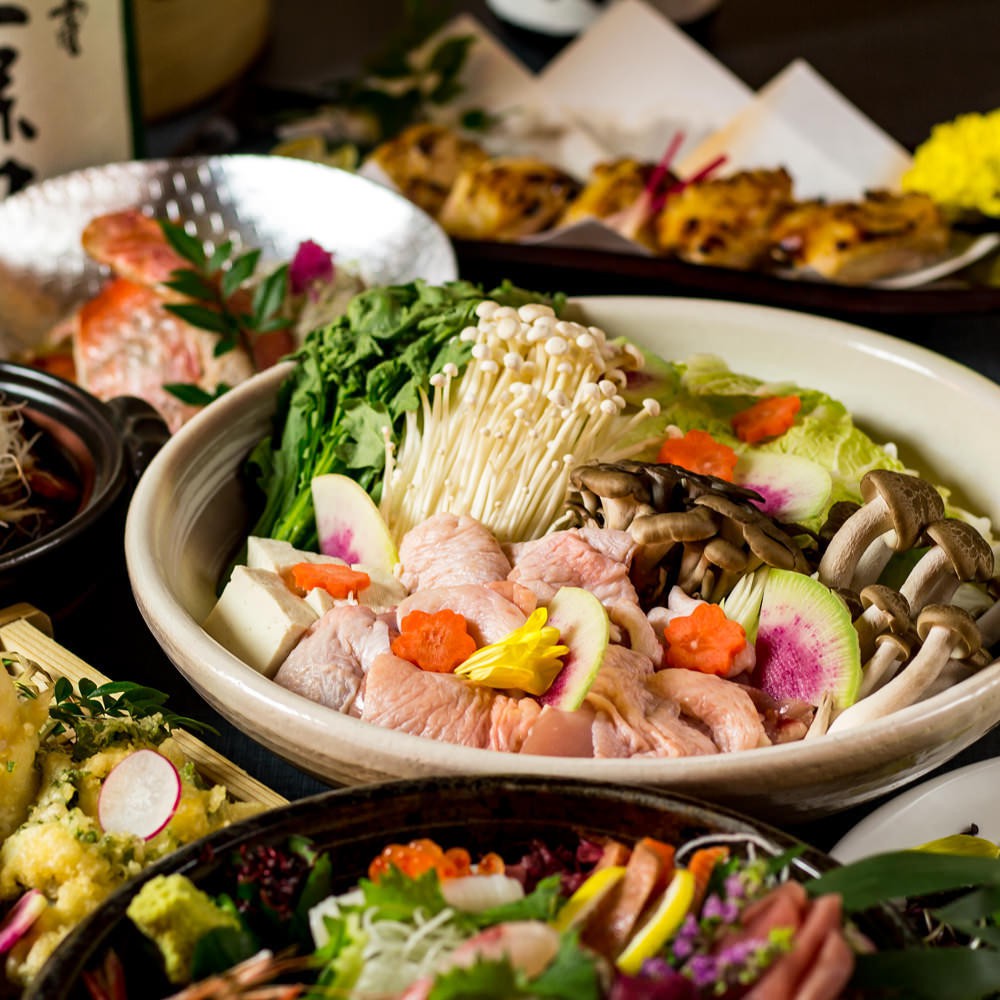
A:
[722,705]
[400,696]
[489,616]
[330,661]
[450,550]
[597,561]
[630,720]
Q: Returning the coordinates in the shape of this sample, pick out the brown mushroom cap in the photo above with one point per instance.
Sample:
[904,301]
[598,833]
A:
[609,481]
[836,516]
[957,620]
[726,555]
[890,602]
[969,553]
[912,502]
[681,526]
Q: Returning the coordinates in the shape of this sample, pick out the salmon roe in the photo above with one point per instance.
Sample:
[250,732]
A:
[420,856]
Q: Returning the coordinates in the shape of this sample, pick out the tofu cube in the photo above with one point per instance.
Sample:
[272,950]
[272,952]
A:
[259,619]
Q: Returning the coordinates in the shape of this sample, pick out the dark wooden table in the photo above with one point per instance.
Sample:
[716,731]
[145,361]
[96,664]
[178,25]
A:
[907,63]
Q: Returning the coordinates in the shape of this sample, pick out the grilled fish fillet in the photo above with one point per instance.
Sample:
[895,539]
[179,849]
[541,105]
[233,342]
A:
[507,198]
[724,221]
[858,242]
[424,160]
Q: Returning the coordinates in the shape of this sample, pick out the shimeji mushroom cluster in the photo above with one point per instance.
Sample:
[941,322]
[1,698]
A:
[702,534]
[539,397]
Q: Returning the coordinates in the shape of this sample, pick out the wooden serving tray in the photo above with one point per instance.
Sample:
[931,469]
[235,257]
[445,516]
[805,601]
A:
[26,630]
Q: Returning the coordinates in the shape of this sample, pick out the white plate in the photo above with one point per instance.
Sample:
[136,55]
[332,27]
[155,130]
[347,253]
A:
[944,806]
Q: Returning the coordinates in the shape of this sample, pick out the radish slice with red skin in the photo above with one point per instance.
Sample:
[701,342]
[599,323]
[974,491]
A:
[140,795]
[19,921]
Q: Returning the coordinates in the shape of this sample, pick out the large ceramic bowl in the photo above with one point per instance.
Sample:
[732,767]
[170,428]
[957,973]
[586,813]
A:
[487,814]
[188,516]
[268,202]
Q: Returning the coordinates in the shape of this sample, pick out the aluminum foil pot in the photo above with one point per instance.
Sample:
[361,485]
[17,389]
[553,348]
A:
[268,202]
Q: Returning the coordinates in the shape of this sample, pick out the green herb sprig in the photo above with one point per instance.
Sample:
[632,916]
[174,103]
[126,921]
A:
[212,283]
[96,714]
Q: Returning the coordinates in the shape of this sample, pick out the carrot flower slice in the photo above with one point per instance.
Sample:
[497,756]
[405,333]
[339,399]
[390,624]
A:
[705,640]
[769,418]
[437,642]
[697,451]
[337,580]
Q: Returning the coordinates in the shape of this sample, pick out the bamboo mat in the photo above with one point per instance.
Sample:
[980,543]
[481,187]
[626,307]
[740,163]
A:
[27,631]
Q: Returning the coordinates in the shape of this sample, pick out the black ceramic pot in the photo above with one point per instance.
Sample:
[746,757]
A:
[490,813]
[106,446]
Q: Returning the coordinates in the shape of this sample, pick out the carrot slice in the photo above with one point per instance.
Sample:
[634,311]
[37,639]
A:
[705,640]
[697,451]
[437,642]
[769,418]
[337,580]
[701,866]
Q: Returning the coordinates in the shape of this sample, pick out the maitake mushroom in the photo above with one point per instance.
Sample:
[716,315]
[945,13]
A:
[697,532]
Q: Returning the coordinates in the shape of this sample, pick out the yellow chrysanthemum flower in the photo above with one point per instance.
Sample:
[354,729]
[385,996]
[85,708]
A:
[527,659]
[959,165]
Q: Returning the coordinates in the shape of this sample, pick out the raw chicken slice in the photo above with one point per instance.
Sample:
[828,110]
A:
[722,705]
[489,616]
[450,550]
[630,720]
[596,560]
[127,344]
[330,661]
[400,696]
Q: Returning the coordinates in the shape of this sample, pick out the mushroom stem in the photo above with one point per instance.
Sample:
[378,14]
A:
[988,624]
[880,668]
[836,568]
[874,560]
[821,720]
[946,632]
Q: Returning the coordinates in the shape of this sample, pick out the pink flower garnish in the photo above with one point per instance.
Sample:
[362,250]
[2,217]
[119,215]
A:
[310,265]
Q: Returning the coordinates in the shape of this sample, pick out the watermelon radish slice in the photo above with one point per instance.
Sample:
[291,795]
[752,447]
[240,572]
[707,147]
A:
[793,488]
[349,524]
[19,921]
[806,644]
[583,627]
[140,795]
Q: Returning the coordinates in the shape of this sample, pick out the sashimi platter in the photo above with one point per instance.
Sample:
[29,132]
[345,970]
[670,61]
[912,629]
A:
[497,523]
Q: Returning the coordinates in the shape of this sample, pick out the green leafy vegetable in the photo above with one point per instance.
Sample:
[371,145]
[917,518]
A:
[903,873]
[572,975]
[354,377]
[540,904]
[395,896]
[220,949]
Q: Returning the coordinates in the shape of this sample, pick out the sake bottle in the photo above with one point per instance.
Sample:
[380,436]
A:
[67,88]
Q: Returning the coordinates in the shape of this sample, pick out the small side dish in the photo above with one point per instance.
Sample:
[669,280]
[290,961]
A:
[177,326]
[38,488]
[93,788]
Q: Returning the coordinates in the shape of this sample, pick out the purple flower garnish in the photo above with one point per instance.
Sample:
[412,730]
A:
[311,264]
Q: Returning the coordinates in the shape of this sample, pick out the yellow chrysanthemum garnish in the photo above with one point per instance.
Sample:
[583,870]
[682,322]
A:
[959,165]
[527,659]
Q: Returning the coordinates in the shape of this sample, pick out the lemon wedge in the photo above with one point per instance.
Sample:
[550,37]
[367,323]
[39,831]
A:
[657,930]
[581,904]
